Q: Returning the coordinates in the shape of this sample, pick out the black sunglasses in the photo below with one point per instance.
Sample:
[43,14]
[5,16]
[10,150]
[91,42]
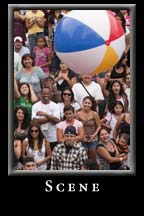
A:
[68,94]
[36,131]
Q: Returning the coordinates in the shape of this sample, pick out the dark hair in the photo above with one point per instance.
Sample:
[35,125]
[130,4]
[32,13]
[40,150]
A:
[126,137]
[68,107]
[26,120]
[112,97]
[27,159]
[27,55]
[51,17]
[120,63]
[102,128]
[121,16]
[42,37]
[40,136]
[117,103]
[92,101]
[72,94]
[49,78]
[29,94]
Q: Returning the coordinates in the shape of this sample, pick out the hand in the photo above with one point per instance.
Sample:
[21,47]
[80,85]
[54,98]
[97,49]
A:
[33,20]
[64,76]
[124,157]
[60,76]
[85,138]
[31,88]
[38,163]
[92,138]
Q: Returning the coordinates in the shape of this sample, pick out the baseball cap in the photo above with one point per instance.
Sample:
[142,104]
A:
[70,130]
[18,38]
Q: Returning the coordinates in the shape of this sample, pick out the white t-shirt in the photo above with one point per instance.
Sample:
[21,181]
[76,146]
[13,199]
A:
[80,93]
[49,128]
[17,62]
[112,121]
[38,155]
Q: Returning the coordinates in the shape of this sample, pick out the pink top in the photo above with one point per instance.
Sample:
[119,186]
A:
[41,57]
[63,125]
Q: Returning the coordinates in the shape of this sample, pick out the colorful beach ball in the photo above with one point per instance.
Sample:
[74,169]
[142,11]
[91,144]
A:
[89,41]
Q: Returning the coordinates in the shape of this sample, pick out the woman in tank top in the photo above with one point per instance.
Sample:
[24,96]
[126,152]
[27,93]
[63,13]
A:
[108,157]
[37,146]
[91,123]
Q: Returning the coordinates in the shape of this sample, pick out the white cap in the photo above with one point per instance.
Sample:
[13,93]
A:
[18,38]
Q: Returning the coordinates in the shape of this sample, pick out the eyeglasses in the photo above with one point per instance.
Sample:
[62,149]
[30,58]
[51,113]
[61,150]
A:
[36,131]
[68,94]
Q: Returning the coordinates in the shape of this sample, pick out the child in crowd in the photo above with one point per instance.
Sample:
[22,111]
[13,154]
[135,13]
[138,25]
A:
[122,146]
[42,55]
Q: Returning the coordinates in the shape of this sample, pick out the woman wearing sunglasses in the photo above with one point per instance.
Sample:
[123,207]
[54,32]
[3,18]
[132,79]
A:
[37,146]
[67,98]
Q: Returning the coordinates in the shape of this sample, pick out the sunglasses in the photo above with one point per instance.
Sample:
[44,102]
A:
[36,131]
[68,94]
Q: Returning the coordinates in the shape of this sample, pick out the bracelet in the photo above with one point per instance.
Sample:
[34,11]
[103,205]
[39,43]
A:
[121,159]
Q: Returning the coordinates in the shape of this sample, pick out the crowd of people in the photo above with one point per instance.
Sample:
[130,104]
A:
[64,120]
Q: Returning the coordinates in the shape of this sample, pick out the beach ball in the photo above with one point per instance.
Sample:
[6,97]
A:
[89,41]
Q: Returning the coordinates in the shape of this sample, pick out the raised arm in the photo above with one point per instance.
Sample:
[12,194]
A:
[34,98]
[16,91]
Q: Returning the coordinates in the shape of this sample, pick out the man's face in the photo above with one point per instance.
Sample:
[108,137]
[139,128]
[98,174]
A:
[29,166]
[45,95]
[18,44]
[69,139]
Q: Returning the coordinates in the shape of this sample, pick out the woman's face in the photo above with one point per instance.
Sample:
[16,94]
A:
[24,90]
[116,88]
[63,66]
[20,115]
[87,104]
[104,136]
[34,132]
[40,42]
[118,109]
[27,62]
[107,75]
[67,95]
[69,115]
